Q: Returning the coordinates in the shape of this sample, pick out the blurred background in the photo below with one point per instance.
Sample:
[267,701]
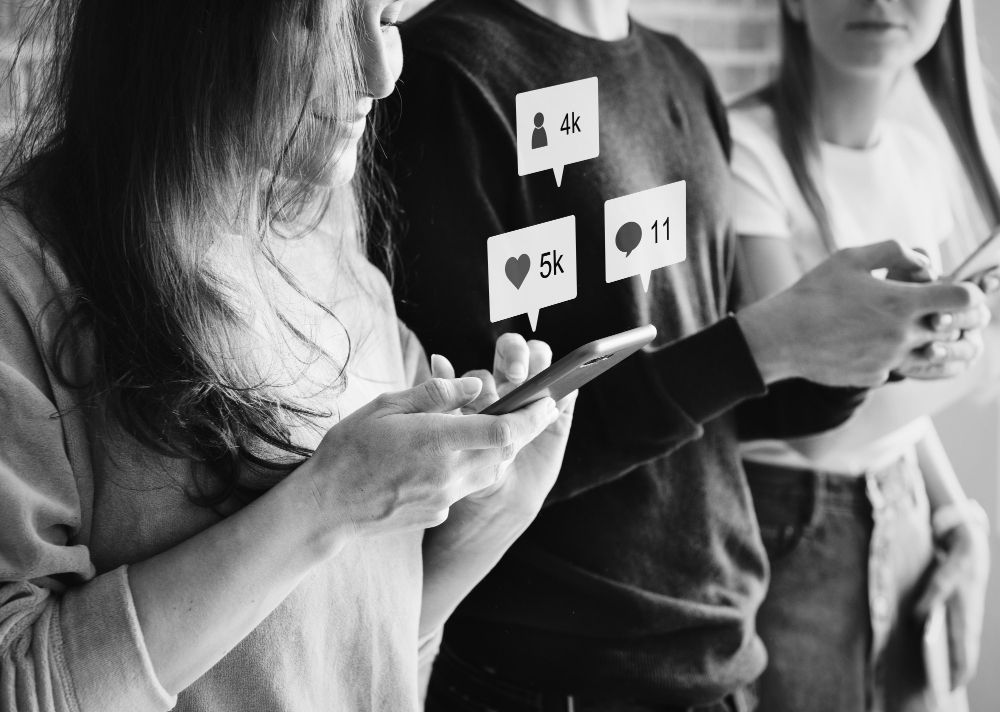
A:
[738,39]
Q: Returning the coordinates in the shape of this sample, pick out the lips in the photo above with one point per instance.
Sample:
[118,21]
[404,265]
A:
[875,25]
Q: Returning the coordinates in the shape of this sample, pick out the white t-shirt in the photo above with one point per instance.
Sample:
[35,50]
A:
[893,190]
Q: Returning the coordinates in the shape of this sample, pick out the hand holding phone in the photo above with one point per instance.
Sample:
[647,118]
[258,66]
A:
[575,369]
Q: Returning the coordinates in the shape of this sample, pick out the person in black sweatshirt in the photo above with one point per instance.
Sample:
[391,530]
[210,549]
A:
[637,585]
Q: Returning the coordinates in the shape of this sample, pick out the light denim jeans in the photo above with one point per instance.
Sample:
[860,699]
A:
[849,558]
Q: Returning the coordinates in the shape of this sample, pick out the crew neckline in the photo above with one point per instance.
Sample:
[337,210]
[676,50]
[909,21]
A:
[627,43]
[877,143]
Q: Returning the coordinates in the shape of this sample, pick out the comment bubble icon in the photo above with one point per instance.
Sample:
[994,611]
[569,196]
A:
[556,126]
[645,231]
[532,268]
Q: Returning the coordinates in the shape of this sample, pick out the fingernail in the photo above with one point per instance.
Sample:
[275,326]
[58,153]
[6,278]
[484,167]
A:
[517,370]
[937,352]
[470,385]
[943,321]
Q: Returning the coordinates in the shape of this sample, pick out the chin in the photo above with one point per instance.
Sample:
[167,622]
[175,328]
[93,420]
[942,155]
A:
[344,167]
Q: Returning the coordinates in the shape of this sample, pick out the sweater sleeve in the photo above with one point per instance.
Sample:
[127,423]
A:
[69,639]
[452,148]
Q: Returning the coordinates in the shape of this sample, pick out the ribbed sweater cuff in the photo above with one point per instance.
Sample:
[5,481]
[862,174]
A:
[710,372]
[104,651]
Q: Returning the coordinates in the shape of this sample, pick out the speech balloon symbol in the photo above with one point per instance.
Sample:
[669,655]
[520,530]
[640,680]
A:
[628,238]
[556,126]
[645,231]
[532,268]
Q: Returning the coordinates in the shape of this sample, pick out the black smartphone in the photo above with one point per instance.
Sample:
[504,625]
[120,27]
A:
[575,369]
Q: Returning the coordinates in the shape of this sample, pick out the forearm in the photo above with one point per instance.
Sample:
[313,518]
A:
[459,553]
[940,479]
[196,601]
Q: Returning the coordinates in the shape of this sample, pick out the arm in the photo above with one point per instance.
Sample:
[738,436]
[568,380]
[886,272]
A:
[962,570]
[130,642]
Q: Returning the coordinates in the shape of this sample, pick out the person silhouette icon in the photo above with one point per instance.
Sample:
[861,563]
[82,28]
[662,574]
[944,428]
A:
[539,139]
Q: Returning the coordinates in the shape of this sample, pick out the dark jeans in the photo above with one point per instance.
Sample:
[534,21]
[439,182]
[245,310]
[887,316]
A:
[849,556]
[459,686]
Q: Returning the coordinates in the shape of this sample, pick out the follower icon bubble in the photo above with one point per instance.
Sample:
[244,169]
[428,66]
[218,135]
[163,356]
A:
[556,126]
[532,268]
[645,231]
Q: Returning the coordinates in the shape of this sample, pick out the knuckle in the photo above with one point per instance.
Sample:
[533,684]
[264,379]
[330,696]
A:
[500,433]
[438,390]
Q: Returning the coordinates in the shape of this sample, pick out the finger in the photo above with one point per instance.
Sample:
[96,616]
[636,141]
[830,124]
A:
[890,254]
[907,273]
[479,432]
[437,395]
[946,296]
[942,584]
[487,396]
[510,360]
[441,367]
[957,643]
[540,357]
[990,282]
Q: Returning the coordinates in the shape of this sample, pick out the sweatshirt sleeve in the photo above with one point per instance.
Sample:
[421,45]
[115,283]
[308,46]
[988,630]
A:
[69,639]
[452,152]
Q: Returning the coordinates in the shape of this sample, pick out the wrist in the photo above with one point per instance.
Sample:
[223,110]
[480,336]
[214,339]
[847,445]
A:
[320,532]
[764,336]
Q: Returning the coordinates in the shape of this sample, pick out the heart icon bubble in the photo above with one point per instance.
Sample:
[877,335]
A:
[517,269]
[539,261]
[628,238]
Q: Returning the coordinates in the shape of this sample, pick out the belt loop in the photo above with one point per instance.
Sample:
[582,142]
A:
[570,707]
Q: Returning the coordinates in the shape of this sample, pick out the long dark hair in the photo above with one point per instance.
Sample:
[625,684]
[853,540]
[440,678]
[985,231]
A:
[944,75]
[157,127]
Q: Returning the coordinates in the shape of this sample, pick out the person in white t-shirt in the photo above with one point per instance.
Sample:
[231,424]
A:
[853,518]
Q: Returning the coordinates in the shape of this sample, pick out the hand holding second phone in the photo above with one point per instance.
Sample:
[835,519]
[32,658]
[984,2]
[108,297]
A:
[522,483]
[400,462]
[840,326]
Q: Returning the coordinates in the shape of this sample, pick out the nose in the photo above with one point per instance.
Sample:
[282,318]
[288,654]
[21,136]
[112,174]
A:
[380,79]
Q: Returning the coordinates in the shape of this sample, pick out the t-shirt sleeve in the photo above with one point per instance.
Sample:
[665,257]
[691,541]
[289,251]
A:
[757,165]
[453,151]
[69,640]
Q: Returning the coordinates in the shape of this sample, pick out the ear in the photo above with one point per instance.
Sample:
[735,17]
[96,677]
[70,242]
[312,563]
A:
[795,9]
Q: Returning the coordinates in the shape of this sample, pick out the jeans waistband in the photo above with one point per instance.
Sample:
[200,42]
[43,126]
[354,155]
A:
[860,493]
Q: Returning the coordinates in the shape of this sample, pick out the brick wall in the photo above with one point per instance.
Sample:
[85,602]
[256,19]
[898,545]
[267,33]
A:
[737,39]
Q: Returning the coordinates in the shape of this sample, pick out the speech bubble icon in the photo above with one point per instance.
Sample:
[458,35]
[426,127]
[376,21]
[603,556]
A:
[556,126]
[645,231]
[532,268]
[628,238]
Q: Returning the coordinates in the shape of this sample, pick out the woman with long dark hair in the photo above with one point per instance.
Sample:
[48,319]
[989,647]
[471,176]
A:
[867,527]
[223,461]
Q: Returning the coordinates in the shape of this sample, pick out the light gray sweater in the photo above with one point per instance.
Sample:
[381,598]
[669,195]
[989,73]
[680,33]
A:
[79,502]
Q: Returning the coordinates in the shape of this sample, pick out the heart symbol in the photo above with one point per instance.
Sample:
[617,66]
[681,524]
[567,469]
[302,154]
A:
[517,269]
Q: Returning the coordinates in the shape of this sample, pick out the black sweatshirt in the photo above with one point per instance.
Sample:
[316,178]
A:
[642,576]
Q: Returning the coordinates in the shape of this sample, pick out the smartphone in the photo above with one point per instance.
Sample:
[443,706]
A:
[984,257]
[937,653]
[575,370]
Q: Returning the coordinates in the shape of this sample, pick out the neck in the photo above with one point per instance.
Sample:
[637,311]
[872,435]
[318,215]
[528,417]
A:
[849,104]
[602,19]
